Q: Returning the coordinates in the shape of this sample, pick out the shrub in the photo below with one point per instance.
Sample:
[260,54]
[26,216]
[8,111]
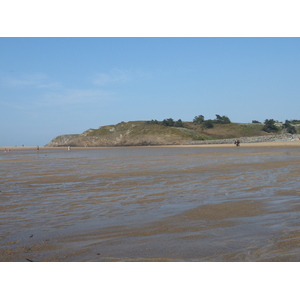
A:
[289,127]
[178,123]
[198,119]
[270,126]
[152,122]
[221,120]
[294,121]
[208,124]
[171,122]
[168,122]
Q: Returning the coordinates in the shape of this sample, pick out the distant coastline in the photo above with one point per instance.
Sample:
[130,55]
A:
[148,133]
[287,143]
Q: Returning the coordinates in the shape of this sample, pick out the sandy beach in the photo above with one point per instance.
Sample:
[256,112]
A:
[167,203]
[295,143]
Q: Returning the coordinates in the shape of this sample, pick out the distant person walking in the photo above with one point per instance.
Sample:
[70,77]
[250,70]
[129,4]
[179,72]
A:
[37,148]
[237,142]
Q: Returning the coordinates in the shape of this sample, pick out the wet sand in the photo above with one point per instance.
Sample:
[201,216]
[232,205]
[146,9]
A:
[294,143]
[168,203]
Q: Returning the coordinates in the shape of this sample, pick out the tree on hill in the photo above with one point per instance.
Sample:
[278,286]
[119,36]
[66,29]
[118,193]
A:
[270,126]
[208,123]
[168,122]
[171,122]
[289,127]
[152,122]
[294,121]
[198,119]
[221,120]
[218,120]
[178,123]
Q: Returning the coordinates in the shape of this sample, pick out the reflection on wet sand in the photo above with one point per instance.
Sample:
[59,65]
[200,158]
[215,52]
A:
[151,204]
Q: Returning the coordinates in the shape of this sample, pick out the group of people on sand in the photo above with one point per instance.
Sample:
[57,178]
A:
[38,148]
[237,142]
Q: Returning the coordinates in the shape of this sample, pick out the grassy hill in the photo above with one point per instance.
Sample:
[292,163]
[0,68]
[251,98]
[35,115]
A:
[137,129]
[136,133]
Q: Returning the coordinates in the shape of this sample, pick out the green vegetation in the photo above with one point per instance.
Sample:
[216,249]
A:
[168,122]
[270,126]
[289,127]
[222,120]
[208,124]
[198,119]
[294,122]
[170,131]
[171,122]
[199,129]
[152,122]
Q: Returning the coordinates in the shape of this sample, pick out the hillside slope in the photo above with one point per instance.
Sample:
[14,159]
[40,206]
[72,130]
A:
[139,133]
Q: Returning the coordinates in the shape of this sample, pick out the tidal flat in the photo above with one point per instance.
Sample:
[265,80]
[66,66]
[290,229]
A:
[200,204]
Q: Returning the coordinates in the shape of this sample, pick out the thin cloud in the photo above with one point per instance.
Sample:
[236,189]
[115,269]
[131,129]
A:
[75,97]
[114,77]
[62,99]
[49,85]
[29,80]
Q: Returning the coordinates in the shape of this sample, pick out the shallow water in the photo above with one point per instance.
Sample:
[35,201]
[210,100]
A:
[150,204]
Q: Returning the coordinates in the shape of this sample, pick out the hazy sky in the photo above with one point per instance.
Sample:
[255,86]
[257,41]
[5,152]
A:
[53,86]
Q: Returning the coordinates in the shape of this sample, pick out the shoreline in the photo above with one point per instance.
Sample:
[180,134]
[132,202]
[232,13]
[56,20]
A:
[295,143]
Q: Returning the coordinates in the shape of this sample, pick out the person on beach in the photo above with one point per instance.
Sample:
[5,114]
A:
[237,142]
[37,148]
[69,148]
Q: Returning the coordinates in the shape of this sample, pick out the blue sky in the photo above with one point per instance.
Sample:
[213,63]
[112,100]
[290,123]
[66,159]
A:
[52,86]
